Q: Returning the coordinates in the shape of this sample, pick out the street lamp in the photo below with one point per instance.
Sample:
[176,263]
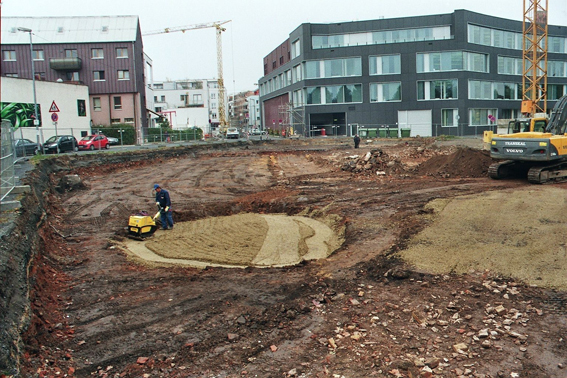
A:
[36,120]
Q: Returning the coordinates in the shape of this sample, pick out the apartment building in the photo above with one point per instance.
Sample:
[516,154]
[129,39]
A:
[451,74]
[103,52]
[188,103]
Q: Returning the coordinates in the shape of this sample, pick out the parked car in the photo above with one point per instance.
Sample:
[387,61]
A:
[113,141]
[94,142]
[60,143]
[25,147]
[257,132]
[232,132]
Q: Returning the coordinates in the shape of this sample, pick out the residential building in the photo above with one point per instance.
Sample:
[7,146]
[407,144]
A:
[103,52]
[254,110]
[452,74]
[63,108]
[240,107]
[188,103]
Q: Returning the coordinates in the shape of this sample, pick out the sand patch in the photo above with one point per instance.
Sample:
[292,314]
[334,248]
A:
[519,234]
[259,240]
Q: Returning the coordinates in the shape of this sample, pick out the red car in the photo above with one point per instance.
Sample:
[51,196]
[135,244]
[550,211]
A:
[94,142]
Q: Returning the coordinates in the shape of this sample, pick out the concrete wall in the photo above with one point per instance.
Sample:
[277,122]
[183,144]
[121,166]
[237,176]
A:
[65,97]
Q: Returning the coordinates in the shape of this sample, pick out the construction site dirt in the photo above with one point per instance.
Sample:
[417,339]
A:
[366,310]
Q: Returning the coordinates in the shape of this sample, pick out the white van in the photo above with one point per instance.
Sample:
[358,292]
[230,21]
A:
[232,133]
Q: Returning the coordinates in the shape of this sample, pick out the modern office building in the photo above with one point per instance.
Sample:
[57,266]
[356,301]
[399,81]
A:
[451,74]
[103,52]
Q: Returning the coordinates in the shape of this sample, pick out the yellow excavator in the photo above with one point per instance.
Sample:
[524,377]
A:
[540,154]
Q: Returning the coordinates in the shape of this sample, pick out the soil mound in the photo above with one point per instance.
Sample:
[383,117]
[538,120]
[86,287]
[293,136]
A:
[464,162]
[373,162]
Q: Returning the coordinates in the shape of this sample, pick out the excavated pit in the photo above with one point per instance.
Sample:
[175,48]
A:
[242,240]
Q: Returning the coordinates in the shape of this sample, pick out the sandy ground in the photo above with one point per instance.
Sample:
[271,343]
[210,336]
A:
[518,234]
[361,312]
[243,240]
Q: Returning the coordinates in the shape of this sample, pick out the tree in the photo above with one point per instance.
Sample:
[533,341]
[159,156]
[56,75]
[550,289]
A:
[163,123]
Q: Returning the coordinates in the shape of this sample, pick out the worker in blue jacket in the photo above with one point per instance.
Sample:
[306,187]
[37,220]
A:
[164,203]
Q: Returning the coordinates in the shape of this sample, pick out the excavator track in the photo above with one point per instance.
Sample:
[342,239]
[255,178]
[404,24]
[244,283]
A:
[501,169]
[551,173]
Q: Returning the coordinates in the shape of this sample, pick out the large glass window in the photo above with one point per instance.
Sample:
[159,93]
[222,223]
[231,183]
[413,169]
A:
[380,37]
[334,94]
[298,98]
[509,66]
[555,92]
[333,68]
[295,49]
[384,92]
[451,61]
[313,95]
[385,64]
[556,68]
[297,73]
[482,117]
[487,90]
[449,117]
[437,89]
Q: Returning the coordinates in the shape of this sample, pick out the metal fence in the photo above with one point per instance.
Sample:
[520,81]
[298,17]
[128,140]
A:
[7,159]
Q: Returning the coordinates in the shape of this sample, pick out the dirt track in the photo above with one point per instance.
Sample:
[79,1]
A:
[359,313]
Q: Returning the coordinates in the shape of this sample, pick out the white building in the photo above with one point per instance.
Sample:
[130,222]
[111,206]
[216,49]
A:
[64,108]
[253,111]
[188,103]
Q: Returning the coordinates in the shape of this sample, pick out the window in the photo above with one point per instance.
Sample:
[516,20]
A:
[97,104]
[213,96]
[128,120]
[482,117]
[72,76]
[214,115]
[213,105]
[197,99]
[488,90]
[117,103]
[297,74]
[9,55]
[121,52]
[183,98]
[332,94]
[40,75]
[556,68]
[449,117]
[451,61]
[295,49]
[38,55]
[12,75]
[97,53]
[71,53]
[437,89]
[298,98]
[509,66]
[383,92]
[98,75]
[555,92]
[123,75]
[81,108]
[162,99]
[115,120]
[385,65]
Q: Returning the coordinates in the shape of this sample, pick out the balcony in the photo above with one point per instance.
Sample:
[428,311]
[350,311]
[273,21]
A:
[65,64]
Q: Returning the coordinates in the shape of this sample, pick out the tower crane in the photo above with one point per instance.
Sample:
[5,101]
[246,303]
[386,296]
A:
[219,29]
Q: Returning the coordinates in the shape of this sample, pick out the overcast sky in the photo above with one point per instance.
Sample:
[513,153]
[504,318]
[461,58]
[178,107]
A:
[256,27]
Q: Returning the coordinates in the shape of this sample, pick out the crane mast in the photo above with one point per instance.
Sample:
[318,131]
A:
[222,113]
[534,58]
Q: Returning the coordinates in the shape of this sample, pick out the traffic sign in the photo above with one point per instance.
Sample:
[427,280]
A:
[53,108]
[54,117]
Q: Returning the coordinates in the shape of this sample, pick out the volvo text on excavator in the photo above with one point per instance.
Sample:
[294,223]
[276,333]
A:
[542,155]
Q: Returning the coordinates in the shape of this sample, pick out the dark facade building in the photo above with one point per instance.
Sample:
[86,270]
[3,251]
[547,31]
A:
[105,53]
[450,74]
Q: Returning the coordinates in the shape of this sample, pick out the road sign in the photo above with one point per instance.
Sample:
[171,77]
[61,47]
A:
[53,108]
[54,117]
